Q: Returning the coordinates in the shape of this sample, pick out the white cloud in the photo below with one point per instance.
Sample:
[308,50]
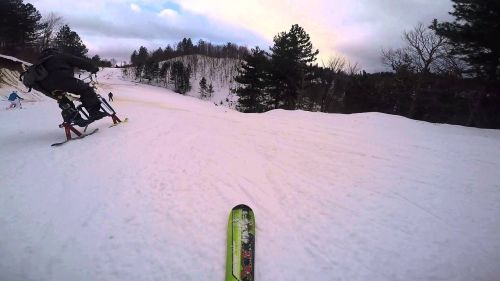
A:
[335,26]
[356,29]
[168,13]
[135,7]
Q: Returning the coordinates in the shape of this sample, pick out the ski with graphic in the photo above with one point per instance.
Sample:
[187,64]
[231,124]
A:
[240,259]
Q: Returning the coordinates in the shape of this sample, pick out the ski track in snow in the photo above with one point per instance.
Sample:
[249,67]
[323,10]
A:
[336,197]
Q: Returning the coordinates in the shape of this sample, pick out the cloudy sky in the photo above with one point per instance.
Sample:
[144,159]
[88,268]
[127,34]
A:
[356,29]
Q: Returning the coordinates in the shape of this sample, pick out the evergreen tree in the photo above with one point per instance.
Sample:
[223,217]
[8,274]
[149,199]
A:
[210,91]
[168,53]
[163,70]
[291,56]
[180,76]
[138,71]
[138,59]
[69,42]
[142,56]
[253,78]
[151,69]
[19,26]
[157,55]
[185,47]
[473,34]
[175,74]
[203,88]
[133,58]
[186,83]
[155,71]
[96,60]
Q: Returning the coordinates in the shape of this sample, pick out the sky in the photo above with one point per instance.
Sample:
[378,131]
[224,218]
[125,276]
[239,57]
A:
[355,29]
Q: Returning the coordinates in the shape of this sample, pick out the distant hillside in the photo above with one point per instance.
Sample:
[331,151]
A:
[217,71]
[10,69]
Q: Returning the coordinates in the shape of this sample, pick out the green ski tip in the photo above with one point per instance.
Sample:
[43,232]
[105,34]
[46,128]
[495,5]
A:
[240,259]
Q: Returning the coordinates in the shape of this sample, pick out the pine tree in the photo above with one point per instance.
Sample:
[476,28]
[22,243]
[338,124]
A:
[19,26]
[176,74]
[138,71]
[163,71]
[151,69]
[133,58]
[203,88]
[142,55]
[186,77]
[474,34]
[253,78]
[69,42]
[291,56]
[96,60]
[210,90]
[180,77]
[185,47]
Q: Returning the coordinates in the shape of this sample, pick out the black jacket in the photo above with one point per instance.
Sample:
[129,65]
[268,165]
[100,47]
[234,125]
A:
[63,65]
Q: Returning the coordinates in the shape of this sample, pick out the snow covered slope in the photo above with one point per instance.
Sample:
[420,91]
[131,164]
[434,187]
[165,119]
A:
[10,69]
[217,71]
[336,197]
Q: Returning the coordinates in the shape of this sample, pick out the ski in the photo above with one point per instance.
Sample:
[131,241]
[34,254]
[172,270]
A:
[123,121]
[75,138]
[240,258]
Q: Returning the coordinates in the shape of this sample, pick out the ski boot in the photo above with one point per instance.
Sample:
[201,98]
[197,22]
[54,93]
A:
[71,115]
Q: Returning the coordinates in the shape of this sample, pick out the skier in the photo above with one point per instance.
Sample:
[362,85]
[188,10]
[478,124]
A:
[15,100]
[110,96]
[60,79]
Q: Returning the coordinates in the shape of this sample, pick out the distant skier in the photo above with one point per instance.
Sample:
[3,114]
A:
[110,96]
[15,100]
[60,79]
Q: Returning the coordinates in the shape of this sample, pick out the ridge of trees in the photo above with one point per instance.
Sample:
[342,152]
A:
[432,80]
[186,47]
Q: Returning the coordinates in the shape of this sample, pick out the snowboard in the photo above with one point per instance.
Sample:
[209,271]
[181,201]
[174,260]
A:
[240,258]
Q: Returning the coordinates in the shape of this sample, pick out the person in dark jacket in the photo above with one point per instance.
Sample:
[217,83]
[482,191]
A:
[60,79]
[110,96]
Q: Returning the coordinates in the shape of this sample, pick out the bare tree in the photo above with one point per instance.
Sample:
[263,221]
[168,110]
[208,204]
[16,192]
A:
[398,59]
[336,64]
[425,52]
[51,23]
[424,47]
[353,68]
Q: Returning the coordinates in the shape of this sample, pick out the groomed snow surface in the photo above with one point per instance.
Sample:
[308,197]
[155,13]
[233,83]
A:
[336,197]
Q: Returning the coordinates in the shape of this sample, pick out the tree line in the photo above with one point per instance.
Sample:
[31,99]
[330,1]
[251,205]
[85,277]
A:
[163,65]
[186,47]
[448,73]
[24,33]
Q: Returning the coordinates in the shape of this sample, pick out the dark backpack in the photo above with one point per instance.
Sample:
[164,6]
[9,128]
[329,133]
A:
[34,74]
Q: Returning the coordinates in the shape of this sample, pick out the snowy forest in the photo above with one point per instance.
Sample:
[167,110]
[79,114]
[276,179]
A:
[447,72]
